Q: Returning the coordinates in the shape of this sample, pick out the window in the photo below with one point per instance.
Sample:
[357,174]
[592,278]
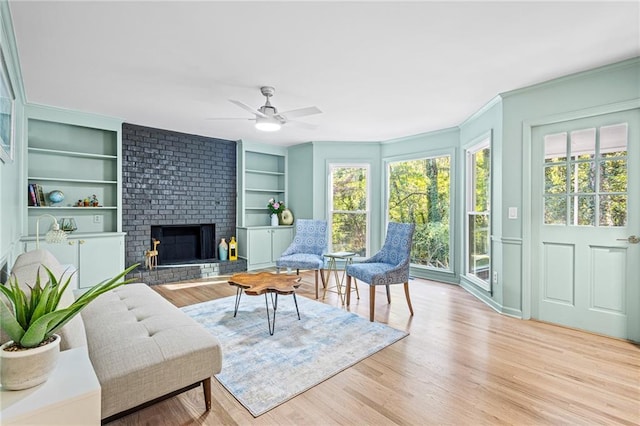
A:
[585,177]
[478,216]
[349,208]
[419,192]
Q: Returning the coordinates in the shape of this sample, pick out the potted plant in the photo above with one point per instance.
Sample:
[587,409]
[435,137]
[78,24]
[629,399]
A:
[31,321]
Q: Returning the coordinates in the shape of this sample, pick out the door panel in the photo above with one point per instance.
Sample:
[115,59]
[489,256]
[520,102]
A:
[558,280]
[608,279]
[585,206]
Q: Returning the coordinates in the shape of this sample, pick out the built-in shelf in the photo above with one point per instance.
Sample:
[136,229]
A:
[68,153]
[278,191]
[72,154]
[85,181]
[264,172]
[261,176]
[71,208]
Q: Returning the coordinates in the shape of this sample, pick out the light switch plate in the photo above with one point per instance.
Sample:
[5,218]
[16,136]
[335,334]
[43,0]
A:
[513,212]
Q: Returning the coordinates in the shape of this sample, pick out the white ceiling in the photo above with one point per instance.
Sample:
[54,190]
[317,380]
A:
[377,70]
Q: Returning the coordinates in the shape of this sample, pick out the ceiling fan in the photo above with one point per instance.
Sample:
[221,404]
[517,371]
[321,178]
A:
[267,117]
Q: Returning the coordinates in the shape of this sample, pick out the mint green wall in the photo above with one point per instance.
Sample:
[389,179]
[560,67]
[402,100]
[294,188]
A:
[504,117]
[11,183]
[575,96]
[300,178]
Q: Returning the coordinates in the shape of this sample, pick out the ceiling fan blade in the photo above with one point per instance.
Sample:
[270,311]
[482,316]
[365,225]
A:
[229,118]
[301,112]
[247,108]
[302,124]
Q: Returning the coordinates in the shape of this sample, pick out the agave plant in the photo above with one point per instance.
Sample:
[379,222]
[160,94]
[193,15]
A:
[31,320]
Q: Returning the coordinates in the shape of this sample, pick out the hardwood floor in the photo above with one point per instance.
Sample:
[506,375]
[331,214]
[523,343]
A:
[463,363]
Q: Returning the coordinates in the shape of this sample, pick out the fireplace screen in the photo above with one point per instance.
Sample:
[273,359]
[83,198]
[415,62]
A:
[184,243]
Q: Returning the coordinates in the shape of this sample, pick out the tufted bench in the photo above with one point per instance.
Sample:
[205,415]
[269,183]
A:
[142,348]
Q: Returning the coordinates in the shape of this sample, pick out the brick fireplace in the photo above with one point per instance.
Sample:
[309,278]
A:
[177,180]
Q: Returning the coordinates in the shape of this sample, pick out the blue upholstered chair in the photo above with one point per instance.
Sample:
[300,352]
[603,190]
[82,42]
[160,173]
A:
[389,266]
[307,248]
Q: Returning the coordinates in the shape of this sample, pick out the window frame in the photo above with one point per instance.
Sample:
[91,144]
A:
[475,146]
[452,197]
[330,211]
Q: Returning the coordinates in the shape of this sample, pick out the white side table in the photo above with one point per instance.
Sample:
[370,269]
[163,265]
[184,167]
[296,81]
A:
[347,256]
[71,396]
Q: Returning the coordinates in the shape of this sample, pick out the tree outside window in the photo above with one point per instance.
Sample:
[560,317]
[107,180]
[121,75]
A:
[419,192]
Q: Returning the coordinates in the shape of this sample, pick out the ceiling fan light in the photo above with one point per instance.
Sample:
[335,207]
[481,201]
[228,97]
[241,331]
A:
[267,124]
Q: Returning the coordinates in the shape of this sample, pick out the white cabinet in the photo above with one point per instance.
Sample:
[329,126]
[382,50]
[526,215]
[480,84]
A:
[262,245]
[96,256]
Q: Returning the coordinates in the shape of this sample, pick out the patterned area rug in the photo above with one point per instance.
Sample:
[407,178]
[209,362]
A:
[263,371]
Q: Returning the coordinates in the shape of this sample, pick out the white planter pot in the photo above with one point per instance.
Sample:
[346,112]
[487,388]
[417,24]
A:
[274,220]
[28,368]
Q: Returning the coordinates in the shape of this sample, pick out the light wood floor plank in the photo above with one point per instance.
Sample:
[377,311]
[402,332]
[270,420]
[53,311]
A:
[462,363]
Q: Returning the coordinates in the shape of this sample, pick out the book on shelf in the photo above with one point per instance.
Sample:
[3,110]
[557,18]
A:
[42,200]
[36,195]
[32,199]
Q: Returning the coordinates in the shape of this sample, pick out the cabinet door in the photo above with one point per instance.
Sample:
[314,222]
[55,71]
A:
[66,253]
[100,259]
[259,246]
[282,238]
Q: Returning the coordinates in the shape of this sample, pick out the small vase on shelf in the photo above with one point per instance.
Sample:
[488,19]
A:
[274,219]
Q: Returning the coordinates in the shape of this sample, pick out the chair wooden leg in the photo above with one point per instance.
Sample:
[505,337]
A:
[388,295]
[372,301]
[324,280]
[206,386]
[316,274]
[348,290]
[406,293]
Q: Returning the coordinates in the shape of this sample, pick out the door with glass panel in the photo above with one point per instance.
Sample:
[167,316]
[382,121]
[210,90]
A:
[586,223]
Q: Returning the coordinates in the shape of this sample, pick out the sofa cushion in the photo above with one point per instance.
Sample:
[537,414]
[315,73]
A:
[142,347]
[26,269]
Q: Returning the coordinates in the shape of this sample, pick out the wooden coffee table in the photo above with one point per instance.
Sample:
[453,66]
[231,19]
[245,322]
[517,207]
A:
[266,283]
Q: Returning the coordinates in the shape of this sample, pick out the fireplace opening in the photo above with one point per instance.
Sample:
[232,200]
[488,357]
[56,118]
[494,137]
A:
[181,244]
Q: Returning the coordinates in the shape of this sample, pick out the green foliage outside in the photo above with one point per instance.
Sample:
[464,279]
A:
[586,190]
[349,231]
[419,192]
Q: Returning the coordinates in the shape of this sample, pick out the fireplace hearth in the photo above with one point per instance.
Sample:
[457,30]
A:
[184,244]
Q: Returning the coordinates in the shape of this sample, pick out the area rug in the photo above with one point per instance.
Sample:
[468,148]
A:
[263,371]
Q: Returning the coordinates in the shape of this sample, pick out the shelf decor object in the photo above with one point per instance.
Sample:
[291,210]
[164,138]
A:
[68,224]
[286,217]
[56,196]
[275,208]
[223,250]
[54,236]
